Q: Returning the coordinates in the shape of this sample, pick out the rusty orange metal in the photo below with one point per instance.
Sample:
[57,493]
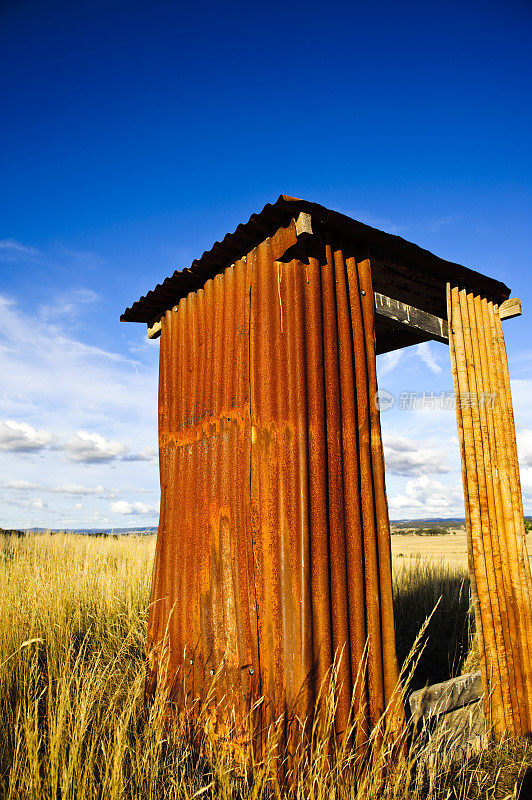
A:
[273,551]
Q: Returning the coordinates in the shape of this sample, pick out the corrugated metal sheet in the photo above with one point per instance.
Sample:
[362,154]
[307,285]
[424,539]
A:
[498,561]
[273,552]
[399,260]
[203,598]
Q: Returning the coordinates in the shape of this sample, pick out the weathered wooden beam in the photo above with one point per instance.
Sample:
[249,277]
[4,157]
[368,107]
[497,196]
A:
[451,713]
[428,324]
[154,329]
[406,315]
[510,308]
[403,314]
[410,317]
[443,697]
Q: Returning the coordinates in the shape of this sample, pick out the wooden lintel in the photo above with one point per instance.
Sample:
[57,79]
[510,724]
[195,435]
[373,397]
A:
[510,308]
[431,326]
[154,329]
[405,316]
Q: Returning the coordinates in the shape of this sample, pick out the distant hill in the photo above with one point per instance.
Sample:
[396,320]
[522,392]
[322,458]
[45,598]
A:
[442,523]
[435,522]
[98,531]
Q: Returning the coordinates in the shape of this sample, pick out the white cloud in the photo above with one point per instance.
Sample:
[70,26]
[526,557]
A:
[93,447]
[426,354]
[389,361]
[83,446]
[11,250]
[526,487]
[49,374]
[143,509]
[20,437]
[429,496]
[68,489]
[67,304]
[524,447]
[21,485]
[77,489]
[526,479]
[147,454]
[56,382]
[404,456]
[33,503]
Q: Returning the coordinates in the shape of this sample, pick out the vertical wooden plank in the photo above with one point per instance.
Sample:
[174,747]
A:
[499,551]
[477,556]
[499,575]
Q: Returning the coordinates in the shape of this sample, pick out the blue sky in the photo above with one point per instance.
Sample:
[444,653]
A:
[134,135]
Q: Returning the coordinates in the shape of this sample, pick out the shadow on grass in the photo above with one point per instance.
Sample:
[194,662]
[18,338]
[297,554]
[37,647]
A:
[418,585]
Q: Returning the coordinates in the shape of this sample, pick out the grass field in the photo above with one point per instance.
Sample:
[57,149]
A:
[73,615]
[449,548]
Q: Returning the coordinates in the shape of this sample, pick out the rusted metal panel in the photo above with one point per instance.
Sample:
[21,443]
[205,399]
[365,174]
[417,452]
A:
[321,521]
[499,567]
[203,600]
[273,553]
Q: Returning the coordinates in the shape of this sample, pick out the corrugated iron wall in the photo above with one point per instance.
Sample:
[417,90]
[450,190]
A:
[273,552]
[203,596]
[319,508]
[498,562]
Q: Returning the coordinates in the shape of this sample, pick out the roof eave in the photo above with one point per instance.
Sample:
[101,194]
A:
[249,234]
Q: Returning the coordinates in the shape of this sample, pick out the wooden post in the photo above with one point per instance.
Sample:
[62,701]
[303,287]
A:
[498,563]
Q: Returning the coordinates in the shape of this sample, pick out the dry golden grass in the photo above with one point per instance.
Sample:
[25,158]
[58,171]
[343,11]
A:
[449,547]
[73,614]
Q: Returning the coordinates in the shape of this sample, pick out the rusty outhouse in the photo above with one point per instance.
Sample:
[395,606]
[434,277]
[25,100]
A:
[273,550]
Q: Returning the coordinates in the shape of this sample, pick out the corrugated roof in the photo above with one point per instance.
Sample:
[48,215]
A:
[248,235]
